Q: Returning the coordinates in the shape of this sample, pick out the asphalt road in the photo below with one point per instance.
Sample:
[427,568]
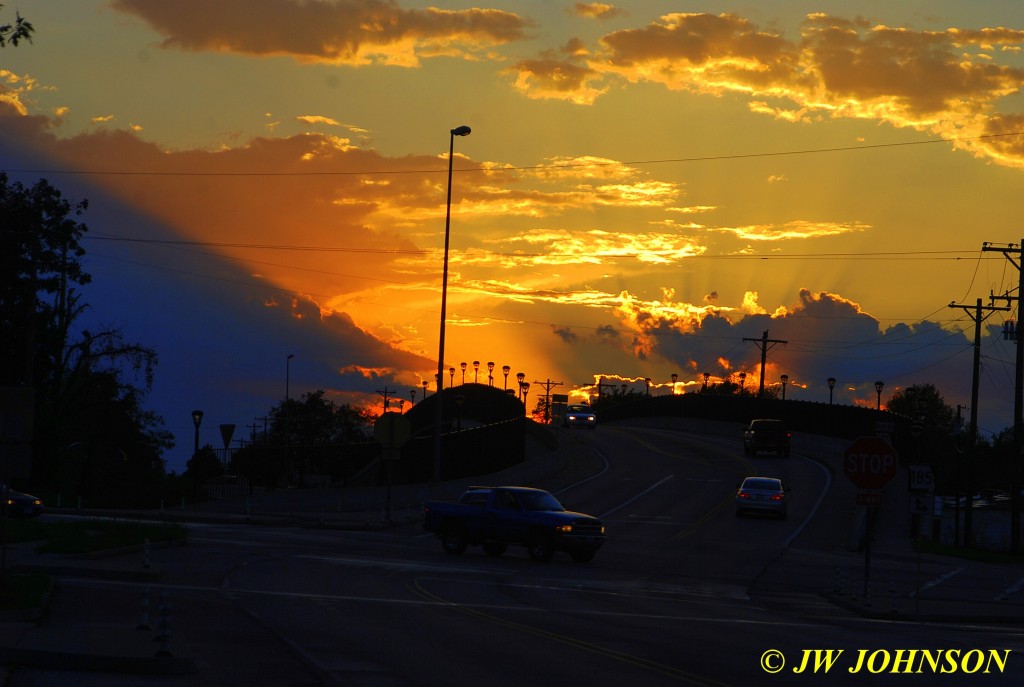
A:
[683,593]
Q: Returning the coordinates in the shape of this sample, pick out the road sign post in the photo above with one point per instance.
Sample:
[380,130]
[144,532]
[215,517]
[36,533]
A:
[870,463]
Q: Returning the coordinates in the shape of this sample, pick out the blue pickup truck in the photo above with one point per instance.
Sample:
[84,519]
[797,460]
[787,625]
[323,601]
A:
[494,517]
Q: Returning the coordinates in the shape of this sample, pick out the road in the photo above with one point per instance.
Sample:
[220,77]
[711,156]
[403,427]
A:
[683,593]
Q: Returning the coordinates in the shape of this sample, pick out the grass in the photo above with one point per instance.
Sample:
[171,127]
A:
[90,535]
[22,591]
[923,545]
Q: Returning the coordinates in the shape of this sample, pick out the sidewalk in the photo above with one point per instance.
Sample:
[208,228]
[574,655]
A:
[111,642]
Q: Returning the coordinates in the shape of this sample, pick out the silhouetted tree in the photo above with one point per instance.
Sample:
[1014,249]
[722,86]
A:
[18,31]
[91,435]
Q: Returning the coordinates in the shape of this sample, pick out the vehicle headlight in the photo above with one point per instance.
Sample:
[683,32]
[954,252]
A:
[564,529]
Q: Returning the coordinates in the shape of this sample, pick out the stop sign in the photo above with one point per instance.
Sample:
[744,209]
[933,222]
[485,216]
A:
[870,462]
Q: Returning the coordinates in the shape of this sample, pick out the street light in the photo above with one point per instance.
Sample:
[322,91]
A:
[197,419]
[451,376]
[412,396]
[526,390]
[707,376]
[743,382]
[831,385]
[647,381]
[287,376]
[785,379]
[878,390]
[506,369]
[458,131]
[520,376]
[463,366]
[675,378]
[490,375]
[424,388]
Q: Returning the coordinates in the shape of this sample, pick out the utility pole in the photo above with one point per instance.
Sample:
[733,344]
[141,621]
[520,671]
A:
[762,343]
[972,441]
[385,394]
[1009,251]
[548,385]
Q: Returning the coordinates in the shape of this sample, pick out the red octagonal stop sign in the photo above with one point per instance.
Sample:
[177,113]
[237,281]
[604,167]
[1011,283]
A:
[870,462]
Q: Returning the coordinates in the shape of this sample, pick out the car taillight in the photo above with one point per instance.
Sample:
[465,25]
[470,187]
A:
[743,495]
[776,497]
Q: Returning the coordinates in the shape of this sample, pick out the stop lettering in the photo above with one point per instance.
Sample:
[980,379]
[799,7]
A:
[870,462]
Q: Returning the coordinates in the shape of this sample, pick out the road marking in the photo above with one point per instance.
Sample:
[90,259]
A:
[937,581]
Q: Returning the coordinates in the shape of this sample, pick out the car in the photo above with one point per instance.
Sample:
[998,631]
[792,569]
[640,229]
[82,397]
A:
[20,505]
[766,435]
[762,495]
[579,415]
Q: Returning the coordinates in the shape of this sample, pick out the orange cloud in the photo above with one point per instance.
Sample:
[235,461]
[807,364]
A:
[945,82]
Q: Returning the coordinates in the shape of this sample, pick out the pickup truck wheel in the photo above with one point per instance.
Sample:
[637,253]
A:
[495,548]
[540,548]
[454,540]
[582,556]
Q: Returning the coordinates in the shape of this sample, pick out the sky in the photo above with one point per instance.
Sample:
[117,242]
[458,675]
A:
[647,189]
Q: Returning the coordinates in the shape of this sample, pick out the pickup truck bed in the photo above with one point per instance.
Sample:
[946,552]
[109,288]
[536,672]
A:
[494,517]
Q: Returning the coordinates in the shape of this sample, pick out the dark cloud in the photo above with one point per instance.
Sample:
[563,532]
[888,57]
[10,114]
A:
[337,31]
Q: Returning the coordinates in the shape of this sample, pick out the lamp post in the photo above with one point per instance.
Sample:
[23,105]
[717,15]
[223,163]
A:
[424,389]
[458,131]
[412,396]
[707,376]
[451,376]
[505,370]
[675,378]
[520,376]
[878,390]
[463,366]
[526,390]
[831,385]
[197,419]
[287,376]
[785,380]
[476,371]
[743,382]
[490,374]
[647,382]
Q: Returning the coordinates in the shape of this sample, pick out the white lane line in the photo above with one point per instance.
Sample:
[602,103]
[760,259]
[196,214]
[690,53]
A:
[642,493]
[937,581]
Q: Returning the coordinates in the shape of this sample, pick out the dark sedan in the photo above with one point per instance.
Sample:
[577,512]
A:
[20,505]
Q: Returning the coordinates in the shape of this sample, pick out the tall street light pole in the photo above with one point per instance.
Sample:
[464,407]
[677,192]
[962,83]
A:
[831,385]
[879,385]
[457,131]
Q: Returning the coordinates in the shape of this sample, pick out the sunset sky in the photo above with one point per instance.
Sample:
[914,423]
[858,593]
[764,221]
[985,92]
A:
[646,185]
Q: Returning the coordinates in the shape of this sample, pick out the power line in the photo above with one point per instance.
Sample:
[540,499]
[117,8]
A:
[955,255]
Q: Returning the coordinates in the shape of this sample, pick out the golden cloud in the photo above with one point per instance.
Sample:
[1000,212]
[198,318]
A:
[797,229]
[596,10]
